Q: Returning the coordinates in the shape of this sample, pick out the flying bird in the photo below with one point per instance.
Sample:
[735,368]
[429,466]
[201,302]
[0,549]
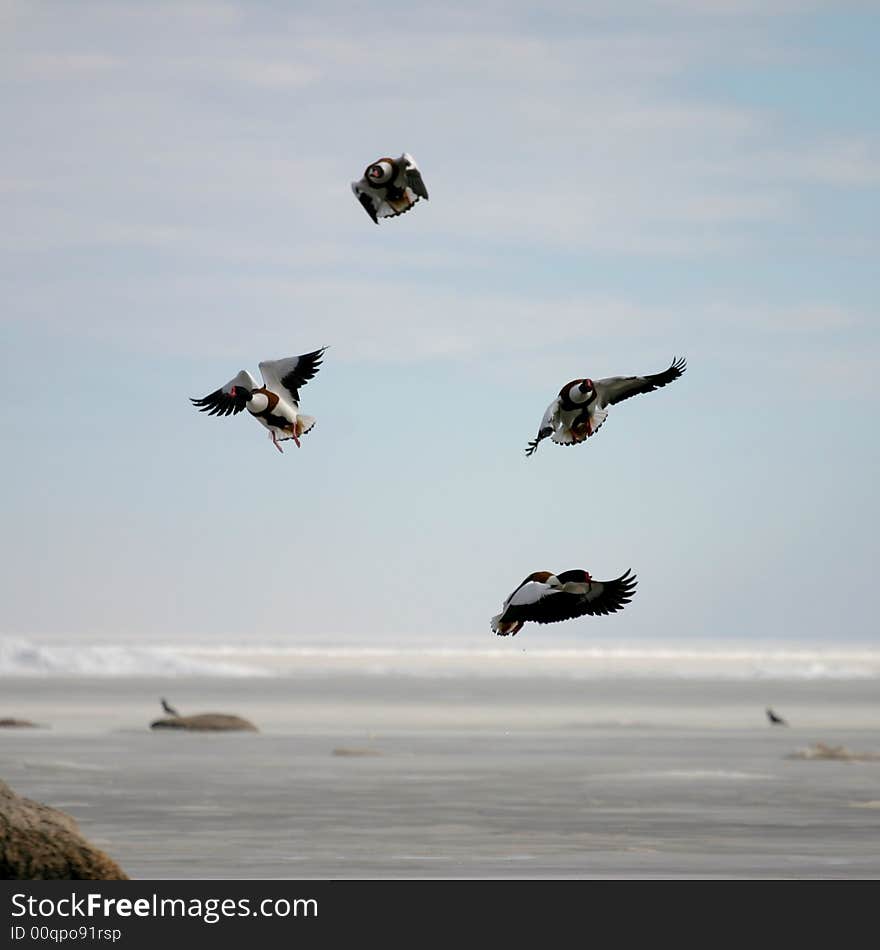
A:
[774,719]
[582,405]
[390,186]
[168,708]
[549,598]
[275,404]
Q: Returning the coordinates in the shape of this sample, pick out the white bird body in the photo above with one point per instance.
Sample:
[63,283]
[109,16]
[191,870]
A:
[259,403]
[565,422]
[258,407]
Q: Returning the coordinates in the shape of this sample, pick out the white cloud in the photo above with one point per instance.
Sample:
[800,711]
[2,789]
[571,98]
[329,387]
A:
[850,162]
[762,8]
[224,146]
[809,318]
[62,65]
[848,373]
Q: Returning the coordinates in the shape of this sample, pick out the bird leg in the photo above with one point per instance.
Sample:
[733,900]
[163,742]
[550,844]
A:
[275,441]
[582,429]
[295,435]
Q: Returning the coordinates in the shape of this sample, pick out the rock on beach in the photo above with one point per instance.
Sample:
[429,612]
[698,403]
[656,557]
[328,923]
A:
[39,843]
[206,722]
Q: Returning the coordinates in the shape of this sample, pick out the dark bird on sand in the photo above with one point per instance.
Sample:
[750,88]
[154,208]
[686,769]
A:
[774,719]
[169,708]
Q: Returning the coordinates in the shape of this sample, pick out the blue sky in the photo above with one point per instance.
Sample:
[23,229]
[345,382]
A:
[612,184]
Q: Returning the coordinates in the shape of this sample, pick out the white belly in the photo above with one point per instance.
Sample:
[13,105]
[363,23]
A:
[283,411]
[568,418]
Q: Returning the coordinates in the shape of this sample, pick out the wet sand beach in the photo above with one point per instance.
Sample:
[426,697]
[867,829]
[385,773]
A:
[464,777]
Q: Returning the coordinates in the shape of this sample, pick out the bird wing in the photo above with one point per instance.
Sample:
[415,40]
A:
[528,593]
[377,204]
[221,402]
[413,175]
[368,198]
[548,424]
[520,603]
[286,376]
[617,388]
[603,597]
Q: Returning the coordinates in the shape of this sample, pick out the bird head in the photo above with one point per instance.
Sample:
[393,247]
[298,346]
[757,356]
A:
[586,385]
[571,581]
[380,172]
[241,393]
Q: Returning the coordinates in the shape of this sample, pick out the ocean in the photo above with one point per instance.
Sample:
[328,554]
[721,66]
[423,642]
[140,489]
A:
[508,762]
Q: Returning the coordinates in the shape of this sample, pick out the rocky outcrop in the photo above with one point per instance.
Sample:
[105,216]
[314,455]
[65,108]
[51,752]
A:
[39,843]
[8,723]
[206,722]
[834,753]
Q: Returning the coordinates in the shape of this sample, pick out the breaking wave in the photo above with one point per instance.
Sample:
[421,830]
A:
[22,658]
[19,657]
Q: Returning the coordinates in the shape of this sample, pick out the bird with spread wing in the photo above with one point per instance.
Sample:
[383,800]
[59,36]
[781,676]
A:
[582,405]
[275,404]
[550,598]
[390,186]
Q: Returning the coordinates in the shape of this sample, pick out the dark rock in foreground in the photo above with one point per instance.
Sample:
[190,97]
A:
[9,723]
[206,722]
[39,843]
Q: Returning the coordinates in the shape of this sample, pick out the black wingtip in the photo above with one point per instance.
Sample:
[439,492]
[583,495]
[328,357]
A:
[367,205]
